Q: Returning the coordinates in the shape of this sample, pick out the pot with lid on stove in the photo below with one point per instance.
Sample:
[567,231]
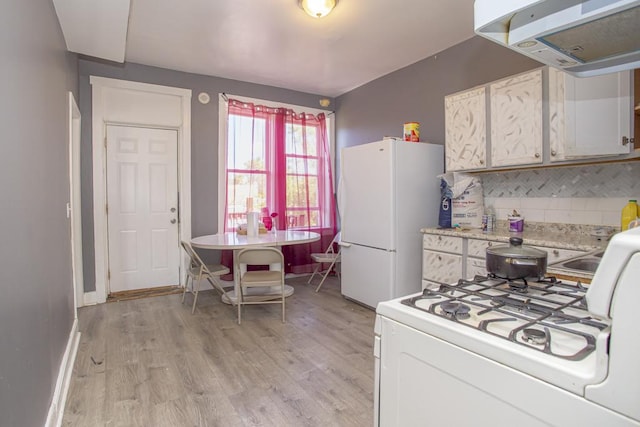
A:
[515,261]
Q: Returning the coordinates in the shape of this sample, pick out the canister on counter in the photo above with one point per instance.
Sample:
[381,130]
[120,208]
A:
[488,222]
[516,222]
[412,131]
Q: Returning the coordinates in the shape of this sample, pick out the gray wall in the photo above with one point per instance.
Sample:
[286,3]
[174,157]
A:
[416,93]
[204,139]
[36,308]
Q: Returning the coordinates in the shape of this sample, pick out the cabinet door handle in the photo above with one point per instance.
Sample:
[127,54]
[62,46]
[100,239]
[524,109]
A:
[553,153]
[439,238]
[556,252]
[490,243]
[439,258]
[537,155]
[481,162]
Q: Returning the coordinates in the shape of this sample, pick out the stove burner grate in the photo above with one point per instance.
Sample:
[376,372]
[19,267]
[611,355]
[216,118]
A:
[518,285]
[547,306]
[455,310]
[534,336]
[515,285]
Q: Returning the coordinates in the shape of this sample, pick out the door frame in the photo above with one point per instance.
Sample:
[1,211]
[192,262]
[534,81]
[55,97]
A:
[74,211]
[172,111]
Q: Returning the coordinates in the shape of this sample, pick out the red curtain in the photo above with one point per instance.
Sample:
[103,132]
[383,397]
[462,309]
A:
[278,163]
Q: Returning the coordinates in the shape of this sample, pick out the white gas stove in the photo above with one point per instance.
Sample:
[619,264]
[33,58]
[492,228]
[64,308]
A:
[488,350]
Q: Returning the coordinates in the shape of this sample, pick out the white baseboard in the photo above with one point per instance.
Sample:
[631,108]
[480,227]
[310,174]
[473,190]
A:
[56,410]
[90,298]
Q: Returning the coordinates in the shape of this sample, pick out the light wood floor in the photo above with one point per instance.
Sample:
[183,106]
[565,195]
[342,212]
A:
[150,362]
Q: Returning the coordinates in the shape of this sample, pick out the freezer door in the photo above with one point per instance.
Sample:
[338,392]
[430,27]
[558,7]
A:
[367,274]
[366,196]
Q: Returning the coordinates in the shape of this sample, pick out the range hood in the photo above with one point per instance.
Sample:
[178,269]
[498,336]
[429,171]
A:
[581,37]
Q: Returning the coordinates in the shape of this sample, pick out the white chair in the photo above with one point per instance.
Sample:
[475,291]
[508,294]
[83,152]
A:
[260,278]
[330,256]
[197,271]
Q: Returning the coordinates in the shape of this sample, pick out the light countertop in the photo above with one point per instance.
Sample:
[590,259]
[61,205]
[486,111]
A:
[550,237]
[547,235]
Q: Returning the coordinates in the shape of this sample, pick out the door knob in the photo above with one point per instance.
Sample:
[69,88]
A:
[173,221]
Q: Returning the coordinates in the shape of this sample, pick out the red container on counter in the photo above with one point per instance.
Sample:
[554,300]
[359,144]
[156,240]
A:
[412,131]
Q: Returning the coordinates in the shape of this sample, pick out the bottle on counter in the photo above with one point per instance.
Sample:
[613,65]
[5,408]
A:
[629,213]
[488,219]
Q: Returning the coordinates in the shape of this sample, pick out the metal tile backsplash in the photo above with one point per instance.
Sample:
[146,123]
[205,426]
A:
[603,180]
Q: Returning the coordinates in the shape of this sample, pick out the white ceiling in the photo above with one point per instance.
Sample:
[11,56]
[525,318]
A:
[273,42]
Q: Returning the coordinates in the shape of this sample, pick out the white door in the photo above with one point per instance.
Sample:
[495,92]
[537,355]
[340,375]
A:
[366,195]
[142,200]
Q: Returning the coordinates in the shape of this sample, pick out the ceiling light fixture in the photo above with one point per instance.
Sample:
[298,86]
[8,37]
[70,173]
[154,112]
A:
[317,8]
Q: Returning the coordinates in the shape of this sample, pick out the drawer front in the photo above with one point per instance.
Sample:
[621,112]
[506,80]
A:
[556,255]
[442,243]
[441,267]
[478,248]
[475,267]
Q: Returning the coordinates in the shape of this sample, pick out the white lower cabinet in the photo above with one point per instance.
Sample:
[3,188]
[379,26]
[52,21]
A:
[452,245]
[475,267]
[441,267]
[476,264]
[441,259]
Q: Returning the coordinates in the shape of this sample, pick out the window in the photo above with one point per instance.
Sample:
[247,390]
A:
[277,160]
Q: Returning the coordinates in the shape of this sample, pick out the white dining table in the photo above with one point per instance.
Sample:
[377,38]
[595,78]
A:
[234,241]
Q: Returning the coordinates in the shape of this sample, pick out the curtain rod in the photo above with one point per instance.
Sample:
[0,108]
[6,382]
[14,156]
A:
[328,112]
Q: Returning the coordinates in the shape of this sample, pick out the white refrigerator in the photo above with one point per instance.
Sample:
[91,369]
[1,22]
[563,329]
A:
[388,191]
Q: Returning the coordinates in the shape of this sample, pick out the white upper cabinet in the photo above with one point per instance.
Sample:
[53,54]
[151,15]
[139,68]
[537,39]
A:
[516,120]
[557,130]
[590,116]
[466,130]
[506,123]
